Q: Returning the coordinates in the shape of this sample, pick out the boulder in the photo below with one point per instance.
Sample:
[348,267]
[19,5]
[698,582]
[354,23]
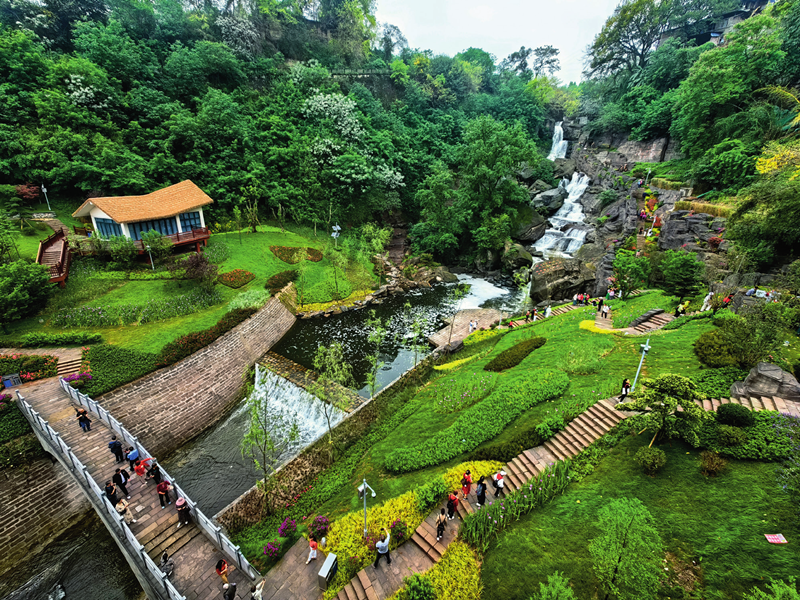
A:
[515,256]
[540,186]
[565,167]
[531,230]
[444,274]
[622,220]
[560,278]
[766,379]
[548,203]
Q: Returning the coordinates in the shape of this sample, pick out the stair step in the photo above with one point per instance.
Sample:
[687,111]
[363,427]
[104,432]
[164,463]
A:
[350,591]
[361,594]
[780,403]
[768,403]
[756,403]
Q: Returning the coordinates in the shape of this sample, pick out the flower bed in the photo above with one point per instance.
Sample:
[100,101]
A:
[288,254]
[280,280]
[29,366]
[192,342]
[78,380]
[236,278]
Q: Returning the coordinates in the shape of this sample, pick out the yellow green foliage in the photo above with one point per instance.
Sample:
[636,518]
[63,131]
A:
[716,210]
[483,468]
[590,326]
[456,363]
[777,157]
[480,335]
[458,575]
[345,537]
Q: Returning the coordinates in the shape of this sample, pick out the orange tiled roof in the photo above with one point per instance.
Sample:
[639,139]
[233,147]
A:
[167,202]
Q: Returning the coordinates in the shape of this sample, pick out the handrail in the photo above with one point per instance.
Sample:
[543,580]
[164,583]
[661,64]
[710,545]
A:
[80,470]
[45,243]
[197,233]
[212,531]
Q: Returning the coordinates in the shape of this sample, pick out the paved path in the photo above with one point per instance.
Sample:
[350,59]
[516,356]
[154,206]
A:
[156,528]
[69,359]
[540,317]
[484,316]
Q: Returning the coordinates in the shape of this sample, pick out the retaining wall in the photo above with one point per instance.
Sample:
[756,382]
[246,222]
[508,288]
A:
[169,407]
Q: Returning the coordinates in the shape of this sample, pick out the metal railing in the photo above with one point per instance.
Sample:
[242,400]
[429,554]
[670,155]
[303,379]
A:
[213,532]
[195,235]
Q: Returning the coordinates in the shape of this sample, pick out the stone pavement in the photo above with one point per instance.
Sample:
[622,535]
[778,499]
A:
[291,578]
[156,528]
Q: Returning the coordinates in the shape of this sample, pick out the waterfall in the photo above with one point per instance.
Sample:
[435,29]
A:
[287,402]
[564,239]
[559,147]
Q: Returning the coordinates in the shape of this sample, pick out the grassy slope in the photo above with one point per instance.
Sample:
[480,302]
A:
[718,522]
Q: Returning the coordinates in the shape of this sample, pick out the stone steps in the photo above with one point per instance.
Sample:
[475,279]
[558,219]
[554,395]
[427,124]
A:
[68,367]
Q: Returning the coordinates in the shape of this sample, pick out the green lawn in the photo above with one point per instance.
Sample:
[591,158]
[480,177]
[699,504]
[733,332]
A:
[719,523]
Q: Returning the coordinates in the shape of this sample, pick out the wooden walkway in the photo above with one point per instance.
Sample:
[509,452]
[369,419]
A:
[156,528]
[484,316]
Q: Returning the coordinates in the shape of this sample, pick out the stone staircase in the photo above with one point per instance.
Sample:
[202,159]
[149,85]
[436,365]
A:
[555,312]
[650,321]
[68,366]
[166,537]
[755,403]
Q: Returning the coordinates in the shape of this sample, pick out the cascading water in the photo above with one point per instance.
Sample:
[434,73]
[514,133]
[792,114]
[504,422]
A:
[564,238]
[559,147]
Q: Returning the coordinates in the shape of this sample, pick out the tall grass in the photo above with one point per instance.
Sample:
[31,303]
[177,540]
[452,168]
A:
[716,210]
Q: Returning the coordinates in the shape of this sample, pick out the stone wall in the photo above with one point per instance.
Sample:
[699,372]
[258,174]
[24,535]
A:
[172,405]
[40,500]
[646,151]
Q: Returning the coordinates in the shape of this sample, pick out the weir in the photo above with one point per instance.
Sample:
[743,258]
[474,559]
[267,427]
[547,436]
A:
[86,457]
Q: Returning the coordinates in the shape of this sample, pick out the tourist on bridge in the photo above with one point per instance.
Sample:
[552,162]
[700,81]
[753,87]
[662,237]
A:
[183,512]
[257,590]
[441,523]
[163,489]
[229,591]
[167,565]
[140,468]
[466,483]
[480,491]
[83,419]
[155,473]
[223,569]
[382,547]
[122,508]
[121,478]
[312,549]
[116,448]
[132,454]
[111,492]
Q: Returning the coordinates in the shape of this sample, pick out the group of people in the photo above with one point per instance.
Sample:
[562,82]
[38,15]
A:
[448,513]
[229,588]
[473,325]
[533,315]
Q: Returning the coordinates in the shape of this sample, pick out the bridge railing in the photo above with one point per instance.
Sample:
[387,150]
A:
[213,532]
[59,446]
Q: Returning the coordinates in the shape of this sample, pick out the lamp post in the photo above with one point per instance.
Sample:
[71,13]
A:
[362,493]
[151,257]
[335,235]
[44,191]
[645,350]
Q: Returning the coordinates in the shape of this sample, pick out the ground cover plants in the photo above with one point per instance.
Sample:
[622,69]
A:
[516,354]
[112,366]
[289,255]
[451,395]
[625,311]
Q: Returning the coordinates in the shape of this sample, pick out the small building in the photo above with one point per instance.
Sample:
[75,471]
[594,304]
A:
[715,30]
[175,211]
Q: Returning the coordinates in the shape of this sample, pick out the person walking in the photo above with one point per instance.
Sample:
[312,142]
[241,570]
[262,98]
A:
[382,547]
[466,483]
[116,448]
[140,468]
[441,523]
[707,301]
[452,504]
[120,479]
[256,591]
[83,419]
[312,549]
[184,512]
[547,312]
[600,305]
[155,473]
[223,570]
[111,492]
[167,565]
[528,317]
[480,491]
[626,388]
[122,508]
[132,454]
[606,310]
[499,484]
[163,489]
[229,591]
[535,314]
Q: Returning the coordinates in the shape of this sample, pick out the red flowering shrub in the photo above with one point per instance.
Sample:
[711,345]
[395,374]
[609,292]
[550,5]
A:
[236,278]
[714,242]
[658,222]
[287,254]
[29,366]
[28,192]
[192,342]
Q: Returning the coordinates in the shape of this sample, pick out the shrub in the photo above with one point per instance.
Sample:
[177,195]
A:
[249,299]
[287,528]
[458,575]
[280,280]
[288,254]
[651,459]
[516,354]
[399,530]
[716,383]
[12,422]
[480,335]
[112,366]
[29,366]
[482,421]
[712,463]
[455,364]
[417,587]
[78,380]
[74,338]
[122,249]
[556,588]
[236,278]
[735,415]
[319,527]
[681,321]
[728,436]
[712,351]
[192,342]
[765,438]
[430,494]
[217,252]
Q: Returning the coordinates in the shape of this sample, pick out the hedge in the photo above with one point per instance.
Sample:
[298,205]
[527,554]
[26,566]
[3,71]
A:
[112,366]
[192,342]
[12,422]
[280,280]
[74,338]
[481,422]
[514,355]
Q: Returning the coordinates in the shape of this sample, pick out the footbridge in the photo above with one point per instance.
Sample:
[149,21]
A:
[49,406]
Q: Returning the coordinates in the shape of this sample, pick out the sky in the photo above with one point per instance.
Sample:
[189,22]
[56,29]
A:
[500,27]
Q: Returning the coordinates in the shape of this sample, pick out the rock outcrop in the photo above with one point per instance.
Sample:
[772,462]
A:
[686,230]
[560,278]
[532,230]
[766,379]
[547,203]
[515,256]
[622,220]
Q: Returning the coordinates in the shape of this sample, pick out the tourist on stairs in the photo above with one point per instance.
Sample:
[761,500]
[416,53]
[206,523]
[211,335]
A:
[466,483]
[441,523]
[163,489]
[480,491]
[452,504]
[183,512]
[499,484]
[383,548]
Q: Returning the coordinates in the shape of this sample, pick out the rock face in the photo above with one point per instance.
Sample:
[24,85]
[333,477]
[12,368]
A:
[604,270]
[683,230]
[766,379]
[548,203]
[622,220]
[533,230]
[560,278]
[515,256]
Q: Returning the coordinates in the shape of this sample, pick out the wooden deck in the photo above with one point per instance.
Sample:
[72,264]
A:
[484,316]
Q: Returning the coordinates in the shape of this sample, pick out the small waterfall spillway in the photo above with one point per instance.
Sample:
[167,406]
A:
[566,235]
[559,147]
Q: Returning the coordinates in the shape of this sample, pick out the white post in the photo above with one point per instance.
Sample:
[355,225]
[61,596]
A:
[645,349]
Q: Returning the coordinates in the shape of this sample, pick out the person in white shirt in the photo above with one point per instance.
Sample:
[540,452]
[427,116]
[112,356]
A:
[707,302]
[499,484]
[382,546]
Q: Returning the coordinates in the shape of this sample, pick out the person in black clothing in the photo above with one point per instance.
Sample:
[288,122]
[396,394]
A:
[626,388]
[229,591]
[111,492]
[120,479]
[83,419]
[155,473]
[183,512]
[480,491]
[116,448]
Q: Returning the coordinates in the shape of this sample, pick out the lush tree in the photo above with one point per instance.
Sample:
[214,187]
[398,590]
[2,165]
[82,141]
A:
[630,271]
[628,553]
[334,376]
[658,400]
[556,588]
[757,333]
[683,273]
[545,61]
[24,289]
[199,269]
